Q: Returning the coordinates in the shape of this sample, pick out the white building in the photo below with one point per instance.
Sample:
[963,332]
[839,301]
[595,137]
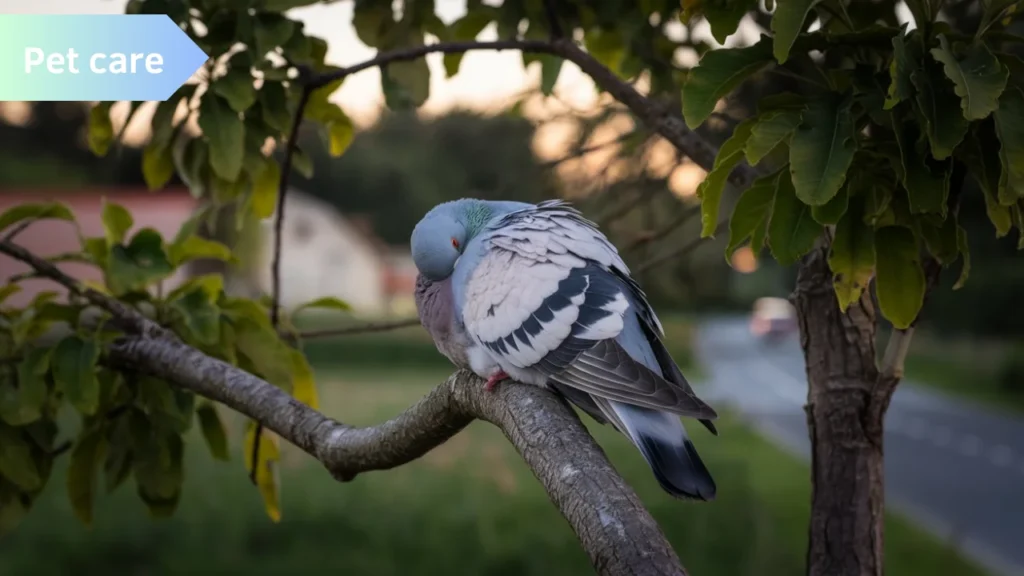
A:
[323,254]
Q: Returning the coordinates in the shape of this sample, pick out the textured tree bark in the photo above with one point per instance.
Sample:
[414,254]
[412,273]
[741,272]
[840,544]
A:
[846,402]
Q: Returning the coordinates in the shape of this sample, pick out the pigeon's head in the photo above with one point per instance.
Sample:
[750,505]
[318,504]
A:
[438,240]
[440,237]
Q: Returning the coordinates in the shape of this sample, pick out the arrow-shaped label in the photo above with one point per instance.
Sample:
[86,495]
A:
[94,57]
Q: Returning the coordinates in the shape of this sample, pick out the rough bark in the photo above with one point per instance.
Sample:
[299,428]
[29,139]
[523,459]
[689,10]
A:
[846,403]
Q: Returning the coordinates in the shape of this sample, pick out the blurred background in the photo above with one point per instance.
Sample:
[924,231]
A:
[955,431]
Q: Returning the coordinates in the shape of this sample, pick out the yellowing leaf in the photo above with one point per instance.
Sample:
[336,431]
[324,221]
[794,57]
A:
[265,188]
[264,469]
[899,278]
[341,132]
[852,255]
[303,382]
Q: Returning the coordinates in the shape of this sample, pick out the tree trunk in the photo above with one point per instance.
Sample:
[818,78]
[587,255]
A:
[845,408]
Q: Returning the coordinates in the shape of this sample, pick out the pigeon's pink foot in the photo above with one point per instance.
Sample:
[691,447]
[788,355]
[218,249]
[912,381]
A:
[494,379]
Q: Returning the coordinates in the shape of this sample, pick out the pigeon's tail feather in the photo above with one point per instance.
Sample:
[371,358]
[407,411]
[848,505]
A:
[662,440]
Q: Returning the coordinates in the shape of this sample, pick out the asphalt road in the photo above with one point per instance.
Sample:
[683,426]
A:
[954,467]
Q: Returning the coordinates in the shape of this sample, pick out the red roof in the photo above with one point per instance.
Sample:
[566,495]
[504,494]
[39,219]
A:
[164,211]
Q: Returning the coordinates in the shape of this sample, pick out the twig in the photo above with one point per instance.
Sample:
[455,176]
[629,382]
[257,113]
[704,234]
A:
[362,329]
[676,252]
[664,230]
[588,150]
[18,229]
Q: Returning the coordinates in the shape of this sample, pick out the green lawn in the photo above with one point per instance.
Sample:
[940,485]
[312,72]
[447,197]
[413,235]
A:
[966,367]
[469,507]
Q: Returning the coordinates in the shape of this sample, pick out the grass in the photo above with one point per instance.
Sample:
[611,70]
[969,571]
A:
[469,507]
[967,368]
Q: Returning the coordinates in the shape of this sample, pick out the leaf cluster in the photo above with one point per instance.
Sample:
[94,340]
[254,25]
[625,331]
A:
[875,146]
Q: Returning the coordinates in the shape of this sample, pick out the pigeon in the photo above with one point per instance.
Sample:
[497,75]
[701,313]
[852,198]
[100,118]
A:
[536,293]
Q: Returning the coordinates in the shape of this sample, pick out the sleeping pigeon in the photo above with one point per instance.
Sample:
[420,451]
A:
[538,294]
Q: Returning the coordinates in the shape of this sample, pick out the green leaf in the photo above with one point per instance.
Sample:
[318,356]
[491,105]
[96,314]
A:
[265,350]
[157,165]
[978,78]
[372,20]
[406,84]
[8,291]
[274,106]
[117,221]
[302,163]
[327,302]
[787,23]
[225,132]
[158,472]
[550,68]
[1009,119]
[23,405]
[264,469]
[16,461]
[196,247]
[271,30]
[138,264]
[772,129]
[752,212]
[170,409]
[899,281]
[464,29]
[852,255]
[822,150]
[831,212]
[35,211]
[191,161]
[74,372]
[339,126]
[940,238]
[982,157]
[792,229]
[101,129]
[724,17]
[213,430]
[965,252]
[906,58]
[927,189]
[117,465]
[90,449]
[717,74]
[201,315]
[710,190]
[939,106]
[264,190]
[162,124]
[236,87]
[14,506]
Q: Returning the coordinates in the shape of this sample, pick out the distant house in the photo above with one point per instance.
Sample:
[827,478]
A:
[164,211]
[326,254]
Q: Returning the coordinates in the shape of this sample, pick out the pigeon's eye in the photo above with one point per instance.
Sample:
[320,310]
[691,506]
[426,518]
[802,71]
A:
[455,243]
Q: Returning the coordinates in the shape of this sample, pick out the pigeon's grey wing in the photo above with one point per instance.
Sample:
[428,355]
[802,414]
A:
[608,371]
[543,297]
[539,294]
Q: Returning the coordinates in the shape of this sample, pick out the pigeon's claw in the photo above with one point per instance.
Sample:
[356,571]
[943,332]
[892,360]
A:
[494,379]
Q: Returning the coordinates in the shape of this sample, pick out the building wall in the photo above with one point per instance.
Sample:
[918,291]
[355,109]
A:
[165,211]
[322,255]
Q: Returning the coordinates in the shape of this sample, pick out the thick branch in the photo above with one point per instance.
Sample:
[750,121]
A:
[612,524]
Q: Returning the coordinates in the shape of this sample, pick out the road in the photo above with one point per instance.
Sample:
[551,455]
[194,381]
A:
[954,467]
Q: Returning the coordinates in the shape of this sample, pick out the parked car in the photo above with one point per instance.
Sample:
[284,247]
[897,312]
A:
[773,318]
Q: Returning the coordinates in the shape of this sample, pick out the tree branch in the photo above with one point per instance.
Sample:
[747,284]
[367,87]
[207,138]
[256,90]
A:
[617,532]
[361,329]
[613,526]
[655,116]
